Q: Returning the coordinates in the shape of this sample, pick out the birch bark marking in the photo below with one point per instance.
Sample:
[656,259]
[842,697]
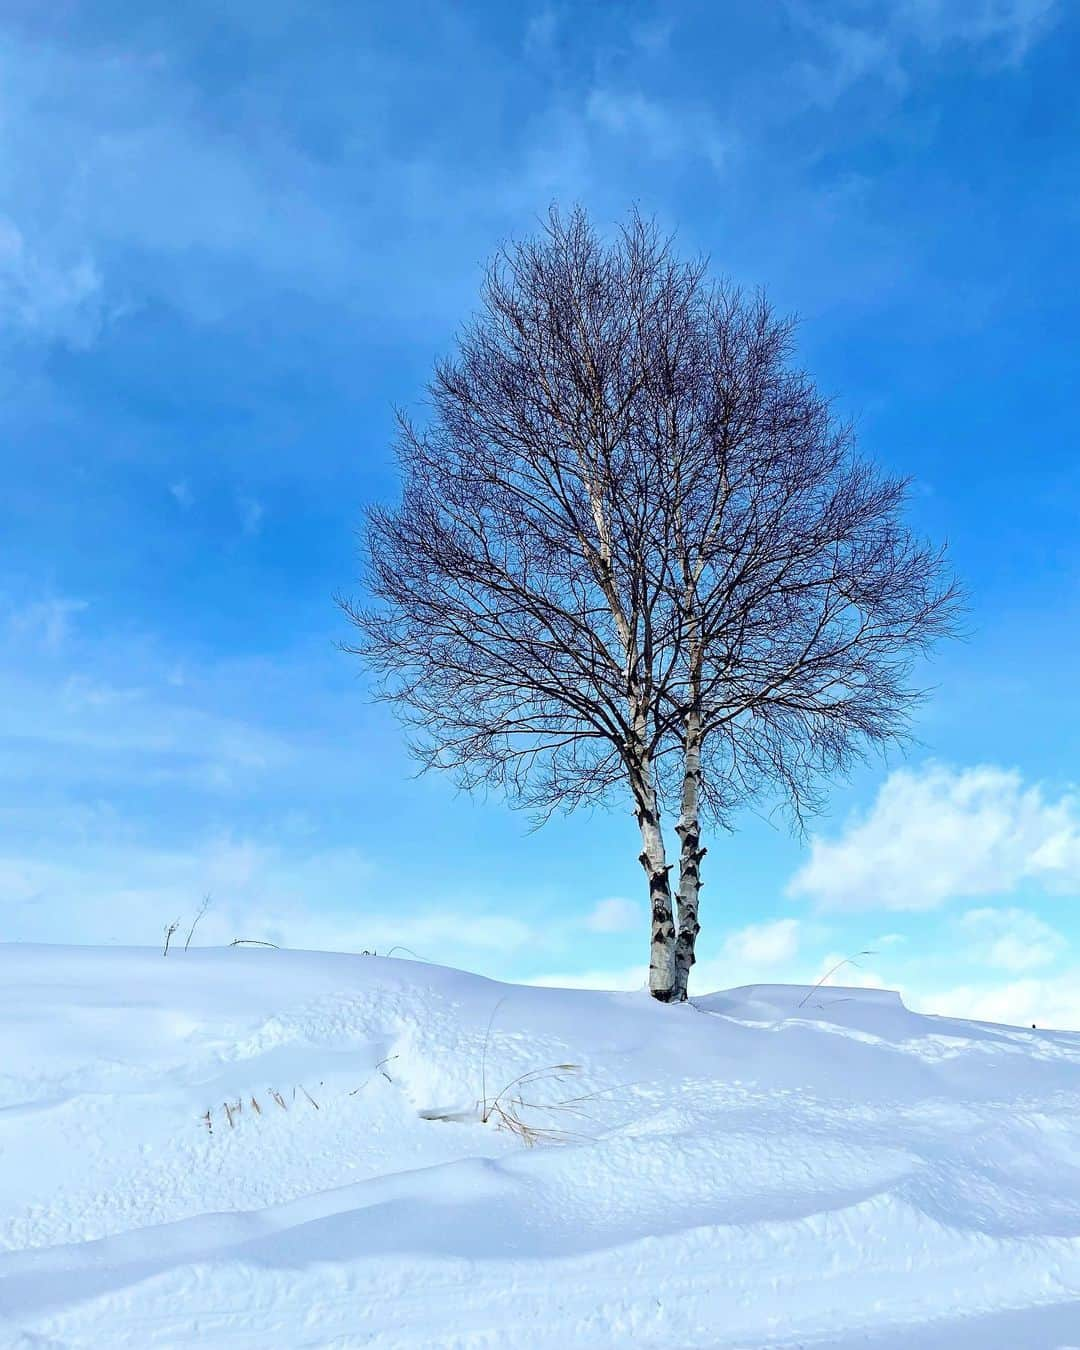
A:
[691,853]
[688,829]
[653,858]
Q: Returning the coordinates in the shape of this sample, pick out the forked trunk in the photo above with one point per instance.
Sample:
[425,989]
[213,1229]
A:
[690,856]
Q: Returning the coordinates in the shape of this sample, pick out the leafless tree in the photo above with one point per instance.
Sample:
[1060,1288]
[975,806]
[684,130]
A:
[635,551]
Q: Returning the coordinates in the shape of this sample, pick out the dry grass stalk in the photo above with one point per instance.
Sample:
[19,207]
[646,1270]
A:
[170,929]
[847,961]
[506,1108]
[378,1069]
[191,931]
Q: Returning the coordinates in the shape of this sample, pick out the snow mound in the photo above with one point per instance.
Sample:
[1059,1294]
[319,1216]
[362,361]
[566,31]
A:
[248,1147]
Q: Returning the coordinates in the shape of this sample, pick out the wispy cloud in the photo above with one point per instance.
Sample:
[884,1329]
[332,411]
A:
[665,130]
[880,42]
[182,493]
[101,734]
[44,623]
[251,514]
[49,295]
[943,834]
[116,890]
[615,914]
[763,944]
[541,32]
[1008,27]
[1010,939]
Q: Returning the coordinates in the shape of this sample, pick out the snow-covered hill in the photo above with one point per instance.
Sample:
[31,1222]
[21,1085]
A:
[744,1172]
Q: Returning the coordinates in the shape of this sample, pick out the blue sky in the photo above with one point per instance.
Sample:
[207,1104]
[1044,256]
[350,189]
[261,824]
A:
[233,238]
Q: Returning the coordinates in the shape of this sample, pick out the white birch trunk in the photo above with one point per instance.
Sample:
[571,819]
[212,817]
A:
[653,858]
[690,856]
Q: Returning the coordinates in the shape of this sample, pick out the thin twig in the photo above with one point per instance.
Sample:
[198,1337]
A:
[202,911]
[380,1069]
[483,1052]
[252,942]
[847,961]
[170,929]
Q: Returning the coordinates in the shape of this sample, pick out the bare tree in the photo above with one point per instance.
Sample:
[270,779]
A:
[636,551]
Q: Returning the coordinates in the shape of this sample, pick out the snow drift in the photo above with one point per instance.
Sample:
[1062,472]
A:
[247,1147]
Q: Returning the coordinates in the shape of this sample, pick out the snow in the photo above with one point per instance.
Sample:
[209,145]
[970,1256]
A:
[740,1172]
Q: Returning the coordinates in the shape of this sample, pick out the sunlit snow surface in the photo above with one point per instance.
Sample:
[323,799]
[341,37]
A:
[738,1172]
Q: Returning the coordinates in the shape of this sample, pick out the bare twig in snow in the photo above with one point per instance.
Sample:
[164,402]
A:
[252,942]
[847,961]
[170,929]
[379,1068]
[483,1052]
[202,910]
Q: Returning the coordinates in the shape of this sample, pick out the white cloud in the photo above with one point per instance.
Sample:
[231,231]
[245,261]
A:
[104,735]
[940,834]
[763,944]
[251,515]
[1047,1002]
[541,33]
[614,915]
[877,42]
[49,296]
[1008,27]
[1010,939]
[851,54]
[114,154]
[329,899]
[44,623]
[665,131]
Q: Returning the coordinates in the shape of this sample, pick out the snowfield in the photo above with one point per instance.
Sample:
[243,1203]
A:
[739,1172]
